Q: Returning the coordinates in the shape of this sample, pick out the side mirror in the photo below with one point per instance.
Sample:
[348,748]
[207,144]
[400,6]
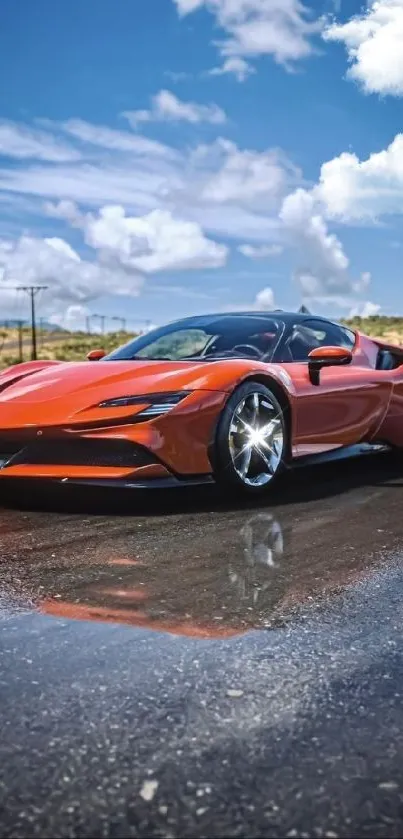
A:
[96,355]
[327,357]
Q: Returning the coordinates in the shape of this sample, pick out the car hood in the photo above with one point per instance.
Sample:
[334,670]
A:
[63,392]
[111,377]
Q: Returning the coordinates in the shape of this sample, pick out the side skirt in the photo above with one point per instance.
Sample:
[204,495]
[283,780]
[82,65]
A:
[344,453]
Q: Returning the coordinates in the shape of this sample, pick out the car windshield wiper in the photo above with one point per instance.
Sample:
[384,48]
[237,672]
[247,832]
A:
[139,358]
[223,355]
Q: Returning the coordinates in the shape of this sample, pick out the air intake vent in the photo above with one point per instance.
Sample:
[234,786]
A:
[76,453]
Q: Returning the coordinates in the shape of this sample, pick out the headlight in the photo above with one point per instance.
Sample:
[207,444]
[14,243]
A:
[157,403]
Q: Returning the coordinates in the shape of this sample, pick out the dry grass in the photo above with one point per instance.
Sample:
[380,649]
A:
[72,346]
[390,329]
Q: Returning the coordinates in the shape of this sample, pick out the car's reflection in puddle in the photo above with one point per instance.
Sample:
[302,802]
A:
[203,598]
[259,580]
[263,551]
[205,573]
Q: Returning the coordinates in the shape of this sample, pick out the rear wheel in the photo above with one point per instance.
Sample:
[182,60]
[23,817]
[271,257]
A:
[252,440]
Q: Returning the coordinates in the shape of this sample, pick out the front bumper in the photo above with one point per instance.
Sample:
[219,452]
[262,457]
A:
[172,448]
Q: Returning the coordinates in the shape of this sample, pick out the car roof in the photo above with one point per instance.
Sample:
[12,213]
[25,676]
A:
[278,314]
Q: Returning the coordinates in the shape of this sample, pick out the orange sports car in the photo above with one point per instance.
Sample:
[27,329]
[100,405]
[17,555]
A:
[232,398]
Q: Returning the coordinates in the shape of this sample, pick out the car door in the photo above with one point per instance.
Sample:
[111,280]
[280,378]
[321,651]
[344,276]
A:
[349,402]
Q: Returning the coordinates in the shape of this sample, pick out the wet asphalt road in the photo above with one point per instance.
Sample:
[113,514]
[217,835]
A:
[182,666]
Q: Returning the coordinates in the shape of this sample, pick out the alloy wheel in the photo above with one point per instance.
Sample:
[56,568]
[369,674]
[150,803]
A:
[256,439]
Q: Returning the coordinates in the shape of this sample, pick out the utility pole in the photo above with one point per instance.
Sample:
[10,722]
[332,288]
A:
[122,321]
[88,324]
[32,290]
[102,318]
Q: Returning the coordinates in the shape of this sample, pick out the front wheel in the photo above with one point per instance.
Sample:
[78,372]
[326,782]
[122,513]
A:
[251,441]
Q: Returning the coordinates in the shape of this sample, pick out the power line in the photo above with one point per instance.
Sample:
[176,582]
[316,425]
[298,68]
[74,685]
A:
[123,322]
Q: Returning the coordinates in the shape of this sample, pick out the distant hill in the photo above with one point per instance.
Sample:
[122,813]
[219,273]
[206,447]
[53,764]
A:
[11,323]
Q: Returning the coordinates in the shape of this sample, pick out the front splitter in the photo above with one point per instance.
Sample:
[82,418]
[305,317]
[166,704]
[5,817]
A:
[154,483]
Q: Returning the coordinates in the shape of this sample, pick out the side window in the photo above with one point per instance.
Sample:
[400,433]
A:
[349,338]
[309,334]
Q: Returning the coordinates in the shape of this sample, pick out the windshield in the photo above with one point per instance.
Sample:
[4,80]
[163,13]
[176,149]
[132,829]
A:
[205,339]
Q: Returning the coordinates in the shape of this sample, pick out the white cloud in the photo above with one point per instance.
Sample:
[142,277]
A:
[24,142]
[54,263]
[322,252]
[363,283]
[374,44]
[186,6]
[234,221]
[322,263]
[365,310]
[235,66]
[226,190]
[249,178]
[110,138]
[260,251]
[145,207]
[351,189]
[348,305]
[65,210]
[166,107]
[151,243]
[140,187]
[73,318]
[265,300]
[125,249]
[280,28]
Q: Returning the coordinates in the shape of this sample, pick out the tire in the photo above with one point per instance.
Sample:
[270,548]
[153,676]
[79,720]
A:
[250,407]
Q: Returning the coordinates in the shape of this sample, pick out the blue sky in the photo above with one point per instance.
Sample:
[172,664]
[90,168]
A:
[172,157]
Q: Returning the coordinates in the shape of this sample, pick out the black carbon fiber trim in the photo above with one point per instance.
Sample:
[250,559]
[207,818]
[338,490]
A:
[170,482]
[78,452]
